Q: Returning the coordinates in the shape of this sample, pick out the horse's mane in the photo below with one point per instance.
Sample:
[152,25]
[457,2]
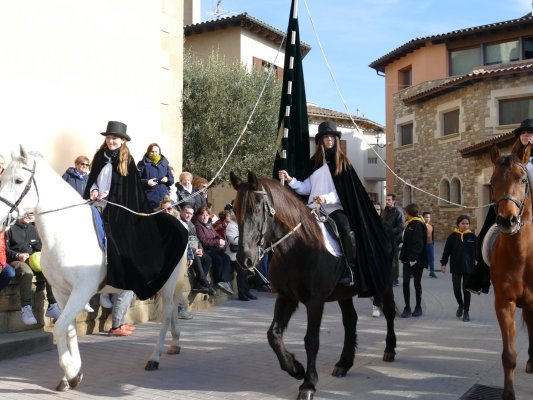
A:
[506,160]
[290,210]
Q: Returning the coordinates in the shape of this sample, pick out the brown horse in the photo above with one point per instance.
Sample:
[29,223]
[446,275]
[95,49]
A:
[301,271]
[511,269]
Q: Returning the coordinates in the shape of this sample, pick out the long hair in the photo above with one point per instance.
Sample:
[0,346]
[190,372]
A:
[123,157]
[340,159]
[150,147]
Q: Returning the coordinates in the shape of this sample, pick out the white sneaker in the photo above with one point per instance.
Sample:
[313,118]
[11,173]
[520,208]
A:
[26,314]
[88,308]
[375,312]
[53,311]
[105,301]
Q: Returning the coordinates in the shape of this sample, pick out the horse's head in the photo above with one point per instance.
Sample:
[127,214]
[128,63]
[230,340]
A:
[510,189]
[16,194]
[255,215]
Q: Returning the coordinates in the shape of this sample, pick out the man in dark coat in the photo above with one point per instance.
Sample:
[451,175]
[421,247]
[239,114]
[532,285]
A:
[142,251]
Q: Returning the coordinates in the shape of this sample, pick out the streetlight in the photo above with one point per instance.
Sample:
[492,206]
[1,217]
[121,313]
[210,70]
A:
[379,135]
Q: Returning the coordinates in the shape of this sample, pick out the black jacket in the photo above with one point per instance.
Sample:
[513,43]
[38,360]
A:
[414,244]
[393,219]
[21,238]
[142,251]
[461,253]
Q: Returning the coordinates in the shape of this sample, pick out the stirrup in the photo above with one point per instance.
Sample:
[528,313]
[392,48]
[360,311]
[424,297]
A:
[347,277]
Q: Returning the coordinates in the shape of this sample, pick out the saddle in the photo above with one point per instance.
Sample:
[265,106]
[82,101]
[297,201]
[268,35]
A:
[488,243]
[329,231]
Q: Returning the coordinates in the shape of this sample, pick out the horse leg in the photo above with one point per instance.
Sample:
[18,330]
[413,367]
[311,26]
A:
[389,311]
[315,309]
[283,311]
[528,319]
[349,321]
[166,310]
[505,311]
[174,347]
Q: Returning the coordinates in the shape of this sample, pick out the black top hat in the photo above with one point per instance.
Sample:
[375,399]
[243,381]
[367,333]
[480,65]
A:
[525,125]
[327,128]
[116,128]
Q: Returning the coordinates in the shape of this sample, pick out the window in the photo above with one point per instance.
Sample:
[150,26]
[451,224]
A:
[505,52]
[464,61]
[455,191]
[406,134]
[372,160]
[527,48]
[444,192]
[405,78]
[513,111]
[450,122]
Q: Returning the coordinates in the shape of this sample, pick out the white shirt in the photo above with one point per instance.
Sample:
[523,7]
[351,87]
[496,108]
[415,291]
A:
[320,183]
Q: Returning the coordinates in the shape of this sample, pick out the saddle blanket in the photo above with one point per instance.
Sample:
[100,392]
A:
[332,244]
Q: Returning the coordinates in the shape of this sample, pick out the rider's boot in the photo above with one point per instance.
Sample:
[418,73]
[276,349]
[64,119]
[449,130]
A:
[348,247]
[479,280]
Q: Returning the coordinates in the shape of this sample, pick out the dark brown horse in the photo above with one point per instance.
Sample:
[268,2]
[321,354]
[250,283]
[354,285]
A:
[511,269]
[301,271]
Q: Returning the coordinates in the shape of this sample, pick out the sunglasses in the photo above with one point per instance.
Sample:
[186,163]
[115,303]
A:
[169,209]
[84,164]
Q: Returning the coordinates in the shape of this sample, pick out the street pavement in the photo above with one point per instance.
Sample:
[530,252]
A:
[225,355]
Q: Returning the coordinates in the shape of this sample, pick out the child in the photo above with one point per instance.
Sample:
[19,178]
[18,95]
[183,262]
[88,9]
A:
[460,248]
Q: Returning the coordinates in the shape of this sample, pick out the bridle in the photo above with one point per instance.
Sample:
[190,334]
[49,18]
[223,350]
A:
[520,204]
[14,206]
[269,212]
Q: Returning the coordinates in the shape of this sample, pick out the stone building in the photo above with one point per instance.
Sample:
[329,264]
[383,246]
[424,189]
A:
[449,97]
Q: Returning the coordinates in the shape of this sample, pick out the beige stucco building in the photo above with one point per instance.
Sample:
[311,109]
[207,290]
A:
[449,97]
[69,67]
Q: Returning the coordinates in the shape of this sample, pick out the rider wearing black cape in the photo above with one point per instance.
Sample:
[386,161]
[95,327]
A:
[366,245]
[142,251]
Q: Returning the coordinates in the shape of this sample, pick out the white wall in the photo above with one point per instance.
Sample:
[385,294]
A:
[70,66]
[254,46]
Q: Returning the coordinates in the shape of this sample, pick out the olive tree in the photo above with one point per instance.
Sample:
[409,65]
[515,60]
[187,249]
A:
[218,98]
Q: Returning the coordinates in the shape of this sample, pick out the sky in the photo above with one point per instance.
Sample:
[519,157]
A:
[353,33]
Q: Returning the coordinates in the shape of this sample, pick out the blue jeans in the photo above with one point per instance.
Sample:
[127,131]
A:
[6,275]
[431,256]
[121,304]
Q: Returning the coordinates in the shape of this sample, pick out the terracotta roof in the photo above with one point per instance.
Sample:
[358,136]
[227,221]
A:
[244,21]
[503,139]
[344,119]
[459,81]
[414,44]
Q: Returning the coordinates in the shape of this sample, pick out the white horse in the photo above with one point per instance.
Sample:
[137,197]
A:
[71,258]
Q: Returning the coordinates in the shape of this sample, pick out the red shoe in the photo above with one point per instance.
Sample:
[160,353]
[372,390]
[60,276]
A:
[127,327]
[120,331]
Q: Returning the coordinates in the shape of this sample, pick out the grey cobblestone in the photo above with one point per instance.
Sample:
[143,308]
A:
[225,355]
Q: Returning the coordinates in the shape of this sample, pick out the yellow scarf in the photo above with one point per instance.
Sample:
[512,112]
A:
[413,219]
[456,230]
[155,159]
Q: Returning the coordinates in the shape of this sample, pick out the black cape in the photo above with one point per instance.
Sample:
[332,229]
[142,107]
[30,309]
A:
[142,251]
[373,246]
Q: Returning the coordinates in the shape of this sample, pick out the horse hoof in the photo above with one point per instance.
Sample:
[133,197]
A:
[76,380]
[63,386]
[388,357]
[306,394]
[151,365]
[174,350]
[339,372]
[529,367]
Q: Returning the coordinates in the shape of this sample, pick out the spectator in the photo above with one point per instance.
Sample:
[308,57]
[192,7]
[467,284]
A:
[22,241]
[156,175]
[414,258]
[185,189]
[214,246]
[460,249]
[232,238]
[430,249]
[375,309]
[200,261]
[7,272]
[77,175]
[212,217]
[121,304]
[393,220]
[224,218]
